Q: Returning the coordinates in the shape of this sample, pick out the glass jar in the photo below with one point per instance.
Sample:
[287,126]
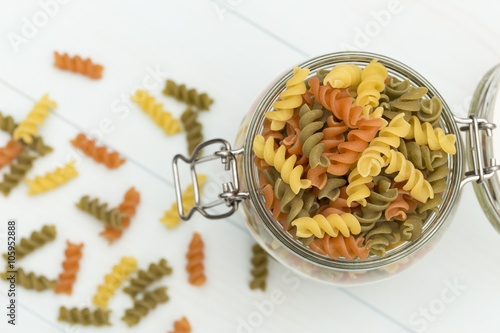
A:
[244,186]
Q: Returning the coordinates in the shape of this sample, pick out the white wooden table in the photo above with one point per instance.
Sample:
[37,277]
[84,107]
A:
[231,49]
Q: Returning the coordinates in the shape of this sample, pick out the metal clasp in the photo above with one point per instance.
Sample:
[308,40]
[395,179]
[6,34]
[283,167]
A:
[480,171]
[231,195]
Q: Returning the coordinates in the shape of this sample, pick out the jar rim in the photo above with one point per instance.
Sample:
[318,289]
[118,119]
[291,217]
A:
[432,225]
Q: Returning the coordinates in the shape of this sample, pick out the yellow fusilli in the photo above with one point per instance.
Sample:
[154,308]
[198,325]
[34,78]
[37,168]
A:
[318,225]
[51,180]
[28,127]
[419,188]
[357,190]
[289,99]
[372,84]
[290,173]
[113,281]
[425,135]
[155,110]
[343,76]
[372,159]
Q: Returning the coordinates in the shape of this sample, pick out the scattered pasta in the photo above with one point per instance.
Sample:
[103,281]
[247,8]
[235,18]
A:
[51,180]
[188,96]
[150,300]
[111,217]
[10,152]
[18,170]
[36,240]
[77,65]
[193,128]
[71,266]
[154,110]
[146,277]
[181,326]
[84,316]
[195,259]
[113,281]
[259,270]
[128,207]
[28,127]
[99,154]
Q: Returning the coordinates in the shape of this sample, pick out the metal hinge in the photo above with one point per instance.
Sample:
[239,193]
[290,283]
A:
[231,196]
[480,171]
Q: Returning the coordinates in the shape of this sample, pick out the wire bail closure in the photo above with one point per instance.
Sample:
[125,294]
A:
[231,196]
[480,172]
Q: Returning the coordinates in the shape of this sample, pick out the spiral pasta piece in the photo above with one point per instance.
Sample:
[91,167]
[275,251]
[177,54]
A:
[181,326]
[381,237]
[436,139]
[259,271]
[335,247]
[128,206]
[437,178]
[28,127]
[357,141]
[71,266]
[99,154]
[193,128]
[311,135]
[155,111]
[357,189]
[141,307]
[318,225]
[411,229]
[84,316]
[7,123]
[343,76]
[373,158]
[189,96]
[430,110]
[32,281]
[372,84]
[421,156]
[18,169]
[289,99]
[401,207]
[36,240]
[290,173]
[418,186]
[52,180]
[146,277]
[77,65]
[195,259]
[113,281]
[290,203]
[112,217]
[332,188]
[171,218]
[39,146]
[378,202]
[10,152]
[396,88]
[409,101]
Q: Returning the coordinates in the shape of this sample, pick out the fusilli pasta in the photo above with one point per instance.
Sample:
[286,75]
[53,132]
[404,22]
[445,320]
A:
[141,307]
[28,127]
[259,270]
[78,65]
[99,154]
[188,96]
[71,266]
[155,110]
[195,259]
[51,180]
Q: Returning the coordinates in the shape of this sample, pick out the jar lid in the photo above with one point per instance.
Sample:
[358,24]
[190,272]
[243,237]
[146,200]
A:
[481,145]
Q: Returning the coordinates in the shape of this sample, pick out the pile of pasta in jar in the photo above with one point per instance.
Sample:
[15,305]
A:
[352,162]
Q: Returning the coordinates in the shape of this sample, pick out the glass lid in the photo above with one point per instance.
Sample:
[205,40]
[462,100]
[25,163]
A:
[486,106]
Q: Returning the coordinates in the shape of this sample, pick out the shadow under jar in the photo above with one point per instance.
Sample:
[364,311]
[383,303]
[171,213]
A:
[244,186]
